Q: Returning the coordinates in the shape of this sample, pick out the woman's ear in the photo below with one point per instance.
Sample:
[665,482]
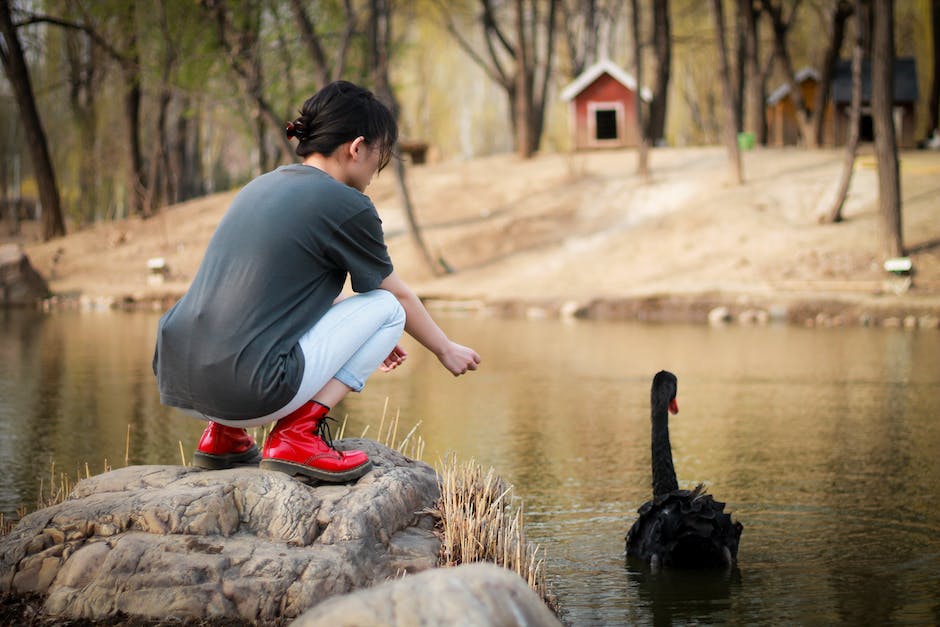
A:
[356,146]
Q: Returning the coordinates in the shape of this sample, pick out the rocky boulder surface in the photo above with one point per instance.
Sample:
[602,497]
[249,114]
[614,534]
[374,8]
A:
[167,542]
[472,594]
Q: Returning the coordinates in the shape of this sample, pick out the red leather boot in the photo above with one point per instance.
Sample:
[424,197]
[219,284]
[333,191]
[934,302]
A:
[300,444]
[222,447]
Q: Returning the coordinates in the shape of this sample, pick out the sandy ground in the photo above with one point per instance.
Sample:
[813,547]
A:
[560,232]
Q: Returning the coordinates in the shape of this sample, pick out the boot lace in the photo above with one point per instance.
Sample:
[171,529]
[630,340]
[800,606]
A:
[324,433]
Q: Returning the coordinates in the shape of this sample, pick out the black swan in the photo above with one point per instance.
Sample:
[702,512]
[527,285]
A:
[678,528]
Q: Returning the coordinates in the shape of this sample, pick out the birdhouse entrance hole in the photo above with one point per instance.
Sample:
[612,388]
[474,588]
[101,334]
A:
[606,123]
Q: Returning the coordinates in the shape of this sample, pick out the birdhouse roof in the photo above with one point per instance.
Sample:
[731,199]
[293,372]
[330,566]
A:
[807,73]
[591,74]
[905,81]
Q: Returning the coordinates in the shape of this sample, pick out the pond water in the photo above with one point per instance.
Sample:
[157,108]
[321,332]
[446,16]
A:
[823,442]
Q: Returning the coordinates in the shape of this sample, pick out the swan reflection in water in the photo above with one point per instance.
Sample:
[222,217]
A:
[682,595]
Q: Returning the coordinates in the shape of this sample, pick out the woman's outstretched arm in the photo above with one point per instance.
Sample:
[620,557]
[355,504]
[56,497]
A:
[458,359]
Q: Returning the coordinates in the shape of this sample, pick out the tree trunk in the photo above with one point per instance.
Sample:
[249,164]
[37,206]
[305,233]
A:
[312,41]
[84,85]
[740,65]
[137,183]
[642,166]
[241,46]
[882,104]
[755,121]
[136,179]
[523,78]
[934,107]
[840,14]
[526,98]
[581,31]
[526,80]
[129,61]
[159,191]
[154,196]
[541,95]
[730,132]
[14,65]
[855,114]
[186,163]
[780,28]
[662,49]
[380,23]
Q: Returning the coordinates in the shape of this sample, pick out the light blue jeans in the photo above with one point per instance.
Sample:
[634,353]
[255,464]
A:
[348,343]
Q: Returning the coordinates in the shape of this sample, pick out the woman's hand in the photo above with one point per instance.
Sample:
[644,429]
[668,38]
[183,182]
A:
[459,359]
[394,359]
[419,325]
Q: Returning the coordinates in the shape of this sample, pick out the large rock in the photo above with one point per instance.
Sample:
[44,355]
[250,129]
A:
[20,283]
[176,542]
[472,594]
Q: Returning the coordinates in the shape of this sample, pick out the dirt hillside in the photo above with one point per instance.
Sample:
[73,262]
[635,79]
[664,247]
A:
[564,232]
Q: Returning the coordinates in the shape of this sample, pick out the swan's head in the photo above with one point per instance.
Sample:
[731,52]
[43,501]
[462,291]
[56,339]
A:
[664,390]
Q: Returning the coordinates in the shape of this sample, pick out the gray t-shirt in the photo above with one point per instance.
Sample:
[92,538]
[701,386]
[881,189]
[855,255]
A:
[273,267]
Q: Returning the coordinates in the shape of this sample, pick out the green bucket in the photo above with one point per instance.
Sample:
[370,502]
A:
[745,141]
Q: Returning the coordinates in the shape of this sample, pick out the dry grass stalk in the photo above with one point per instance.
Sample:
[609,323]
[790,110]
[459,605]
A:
[127,446]
[479,524]
[411,446]
[60,485]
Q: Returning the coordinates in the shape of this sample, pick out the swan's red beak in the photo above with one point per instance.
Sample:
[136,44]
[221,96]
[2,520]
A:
[673,407]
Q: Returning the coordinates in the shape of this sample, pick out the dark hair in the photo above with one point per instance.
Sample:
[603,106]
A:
[341,112]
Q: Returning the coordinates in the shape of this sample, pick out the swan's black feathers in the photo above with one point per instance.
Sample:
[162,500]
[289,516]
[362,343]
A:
[684,529]
[678,528]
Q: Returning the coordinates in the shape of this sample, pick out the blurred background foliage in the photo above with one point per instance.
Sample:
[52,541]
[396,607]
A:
[213,81]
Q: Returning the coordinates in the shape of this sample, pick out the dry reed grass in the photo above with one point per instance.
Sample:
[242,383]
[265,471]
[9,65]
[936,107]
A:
[411,446]
[479,522]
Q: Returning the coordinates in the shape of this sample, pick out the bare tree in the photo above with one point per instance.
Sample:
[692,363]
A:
[186,154]
[380,38]
[521,65]
[129,61]
[237,33]
[326,69]
[85,74]
[643,145]
[14,65]
[728,100]
[851,146]
[662,51]
[122,48]
[581,28]
[841,10]
[809,120]
[755,121]
[882,105]
[740,63]
[589,27]
[781,26]
[158,190]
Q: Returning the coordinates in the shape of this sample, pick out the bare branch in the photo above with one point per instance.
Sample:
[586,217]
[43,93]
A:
[36,18]
[494,73]
[489,21]
[309,36]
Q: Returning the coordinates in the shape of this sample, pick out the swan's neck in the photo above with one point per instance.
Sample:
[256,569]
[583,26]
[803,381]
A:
[664,473]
